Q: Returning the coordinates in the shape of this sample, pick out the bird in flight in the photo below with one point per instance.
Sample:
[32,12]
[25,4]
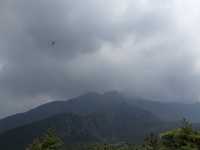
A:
[53,43]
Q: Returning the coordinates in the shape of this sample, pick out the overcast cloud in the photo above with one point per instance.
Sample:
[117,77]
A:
[147,48]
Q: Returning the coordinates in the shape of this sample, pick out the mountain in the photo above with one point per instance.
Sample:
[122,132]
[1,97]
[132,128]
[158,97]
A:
[169,111]
[95,102]
[95,117]
[118,122]
[85,104]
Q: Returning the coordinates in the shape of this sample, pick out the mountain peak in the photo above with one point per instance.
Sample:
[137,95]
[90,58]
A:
[90,94]
[113,93]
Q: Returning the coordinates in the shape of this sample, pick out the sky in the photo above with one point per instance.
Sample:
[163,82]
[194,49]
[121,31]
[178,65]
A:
[146,48]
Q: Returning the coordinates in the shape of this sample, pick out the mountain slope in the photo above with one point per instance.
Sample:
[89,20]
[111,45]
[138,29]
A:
[91,102]
[118,124]
[94,102]
[169,111]
[85,104]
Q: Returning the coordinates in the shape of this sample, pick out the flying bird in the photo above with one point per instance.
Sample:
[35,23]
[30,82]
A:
[52,43]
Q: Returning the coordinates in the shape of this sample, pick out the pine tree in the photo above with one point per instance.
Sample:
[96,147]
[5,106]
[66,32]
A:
[151,142]
[50,141]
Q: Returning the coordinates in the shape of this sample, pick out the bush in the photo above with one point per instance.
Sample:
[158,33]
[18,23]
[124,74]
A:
[50,141]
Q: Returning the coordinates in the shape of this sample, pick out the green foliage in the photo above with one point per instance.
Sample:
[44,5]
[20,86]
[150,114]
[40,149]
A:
[151,142]
[113,147]
[183,138]
[103,146]
[50,141]
[186,126]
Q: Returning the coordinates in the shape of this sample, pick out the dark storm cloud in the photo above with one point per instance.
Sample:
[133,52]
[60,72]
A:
[137,47]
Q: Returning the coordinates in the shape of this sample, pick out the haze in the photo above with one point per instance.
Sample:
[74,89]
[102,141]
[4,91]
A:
[145,48]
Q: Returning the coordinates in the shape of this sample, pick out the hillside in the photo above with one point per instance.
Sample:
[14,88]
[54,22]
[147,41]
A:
[95,102]
[93,117]
[169,111]
[120,124]
[85,104]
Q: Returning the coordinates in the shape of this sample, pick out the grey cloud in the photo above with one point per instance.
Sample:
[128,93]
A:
[99,45]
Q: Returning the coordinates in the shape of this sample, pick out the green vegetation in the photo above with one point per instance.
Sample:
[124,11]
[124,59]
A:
[182,138]
[50,141]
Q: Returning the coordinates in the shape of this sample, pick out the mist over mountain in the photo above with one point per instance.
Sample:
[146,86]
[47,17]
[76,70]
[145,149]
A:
[95,117]
[110,101]
[85,104]
[89,118]
[51,50]
[140,59]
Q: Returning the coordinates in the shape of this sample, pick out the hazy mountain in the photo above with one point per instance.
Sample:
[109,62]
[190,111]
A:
[122,123]
[95,117]
[94,102]
[169,111]
[85,104]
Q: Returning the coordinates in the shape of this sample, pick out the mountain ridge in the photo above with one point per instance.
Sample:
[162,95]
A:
[84,104]
[94,102]
[122,122]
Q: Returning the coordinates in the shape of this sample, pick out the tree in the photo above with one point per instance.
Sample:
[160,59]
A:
[50,141]
[151,142]
[183,138]
[186,126]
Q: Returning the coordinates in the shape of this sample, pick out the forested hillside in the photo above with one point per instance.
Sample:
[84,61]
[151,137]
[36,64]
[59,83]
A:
[107,102]
[181,138]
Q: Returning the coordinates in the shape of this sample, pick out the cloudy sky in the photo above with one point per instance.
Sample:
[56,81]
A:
[148,48]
